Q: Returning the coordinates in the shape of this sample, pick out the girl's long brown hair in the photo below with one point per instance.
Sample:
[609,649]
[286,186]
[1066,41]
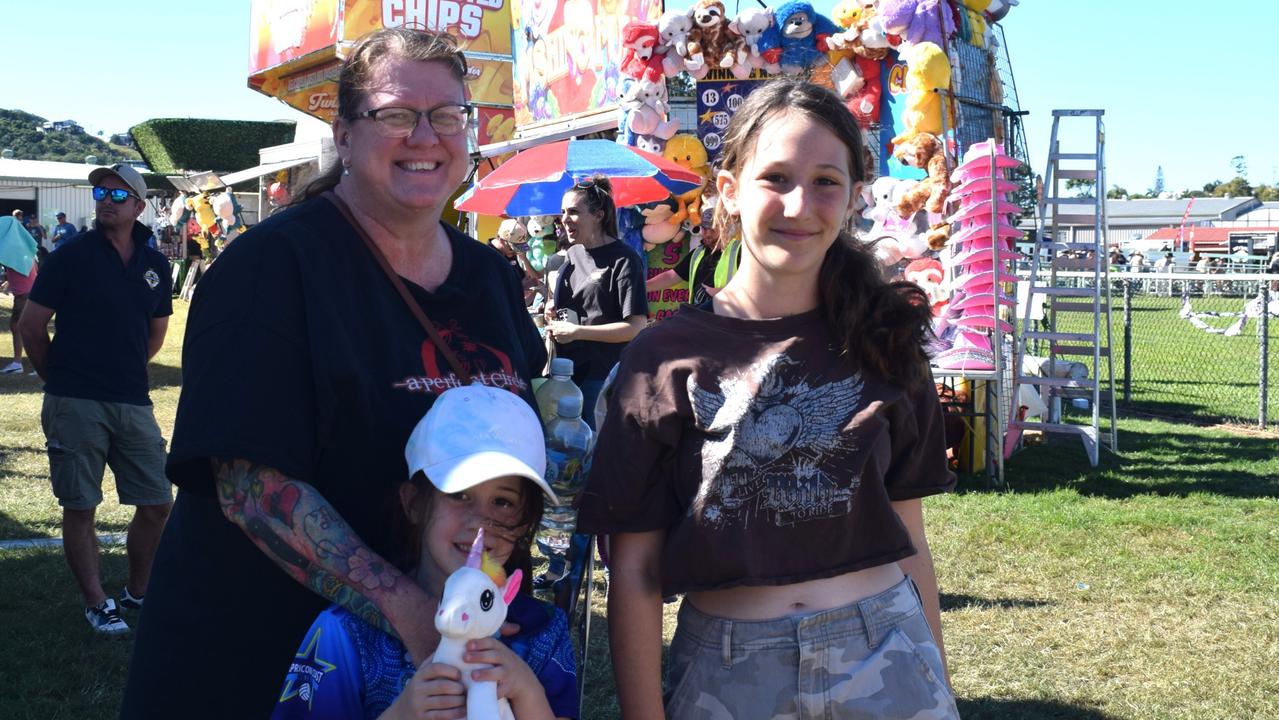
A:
[877,325]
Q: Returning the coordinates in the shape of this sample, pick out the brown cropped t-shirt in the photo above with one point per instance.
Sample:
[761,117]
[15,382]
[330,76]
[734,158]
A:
[765,458]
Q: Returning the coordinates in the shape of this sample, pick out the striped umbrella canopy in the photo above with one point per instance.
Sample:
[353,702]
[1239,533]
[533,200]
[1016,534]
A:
[534,181]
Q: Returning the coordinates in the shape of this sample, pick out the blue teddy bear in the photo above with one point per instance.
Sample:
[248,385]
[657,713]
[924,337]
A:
[797,41]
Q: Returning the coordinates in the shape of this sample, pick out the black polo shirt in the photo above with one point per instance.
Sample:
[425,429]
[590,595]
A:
[104,310]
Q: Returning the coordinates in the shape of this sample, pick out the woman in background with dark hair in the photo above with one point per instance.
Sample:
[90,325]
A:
[599,299]
[765,455]
[304,369]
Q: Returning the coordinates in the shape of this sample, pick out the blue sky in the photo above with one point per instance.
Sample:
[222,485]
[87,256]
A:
[1184,87]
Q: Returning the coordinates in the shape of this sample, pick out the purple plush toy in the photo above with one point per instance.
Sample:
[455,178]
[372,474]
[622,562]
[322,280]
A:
[918,21]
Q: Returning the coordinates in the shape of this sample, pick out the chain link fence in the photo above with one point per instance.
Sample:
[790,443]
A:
[1192,346]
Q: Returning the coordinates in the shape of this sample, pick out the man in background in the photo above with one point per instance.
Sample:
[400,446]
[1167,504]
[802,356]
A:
[63,231]
[111,295]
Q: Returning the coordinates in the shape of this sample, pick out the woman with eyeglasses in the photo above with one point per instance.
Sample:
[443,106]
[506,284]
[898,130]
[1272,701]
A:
[304,370]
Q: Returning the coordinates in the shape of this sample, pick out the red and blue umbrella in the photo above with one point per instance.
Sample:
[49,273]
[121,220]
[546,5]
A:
[534,181]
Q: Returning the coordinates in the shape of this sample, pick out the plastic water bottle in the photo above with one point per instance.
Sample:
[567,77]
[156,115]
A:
[568,443]
[560,385]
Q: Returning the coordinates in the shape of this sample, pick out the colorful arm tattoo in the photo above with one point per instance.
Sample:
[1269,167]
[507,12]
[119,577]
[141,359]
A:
[301,532]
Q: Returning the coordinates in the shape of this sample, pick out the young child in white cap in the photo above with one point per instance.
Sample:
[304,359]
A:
[475,460]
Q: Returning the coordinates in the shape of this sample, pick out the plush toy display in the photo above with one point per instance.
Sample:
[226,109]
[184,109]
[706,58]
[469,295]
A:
[512,231]
[227,209]
[895,237]
[924,151]
[645,106]
[674,28]
[750,25]
[927,70]
[918,21]
[798,40]
[688,151]
[661,225]
[474,606]
[178,211]
[710,36]
[928,274]
[864,33]
[641,59]
[541,238]
[204,214]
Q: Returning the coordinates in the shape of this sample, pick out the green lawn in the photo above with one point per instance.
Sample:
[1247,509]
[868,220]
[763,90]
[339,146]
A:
[1143,588]
[1180,371]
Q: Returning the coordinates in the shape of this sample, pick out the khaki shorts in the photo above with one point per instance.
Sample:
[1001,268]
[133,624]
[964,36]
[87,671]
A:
[85,436]
[874,659]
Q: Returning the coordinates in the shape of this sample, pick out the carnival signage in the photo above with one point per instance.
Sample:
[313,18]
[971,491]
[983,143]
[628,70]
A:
[567,56]
[282,31]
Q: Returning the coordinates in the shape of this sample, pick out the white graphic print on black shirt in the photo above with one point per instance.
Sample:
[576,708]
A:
[769,433]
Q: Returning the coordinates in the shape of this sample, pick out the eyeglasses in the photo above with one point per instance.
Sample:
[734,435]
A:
[116,194]
[399,122]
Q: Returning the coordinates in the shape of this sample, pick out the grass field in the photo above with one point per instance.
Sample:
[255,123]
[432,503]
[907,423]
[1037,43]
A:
[1180,371]
[1144,588]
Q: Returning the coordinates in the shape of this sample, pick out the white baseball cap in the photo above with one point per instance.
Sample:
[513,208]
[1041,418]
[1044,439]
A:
[475,433]
[127,175]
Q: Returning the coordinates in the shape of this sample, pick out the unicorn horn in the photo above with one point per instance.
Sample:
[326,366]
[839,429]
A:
[477,550]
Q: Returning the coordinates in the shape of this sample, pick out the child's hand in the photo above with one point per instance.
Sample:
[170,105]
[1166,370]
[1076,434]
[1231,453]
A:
[435,693]
[515,679]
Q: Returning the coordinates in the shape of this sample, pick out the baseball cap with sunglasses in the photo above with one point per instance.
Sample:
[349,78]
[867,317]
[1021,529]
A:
[126,174]
[117,195]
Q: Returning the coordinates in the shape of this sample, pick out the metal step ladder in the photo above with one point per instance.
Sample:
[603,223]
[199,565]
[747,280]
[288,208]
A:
[1072,275]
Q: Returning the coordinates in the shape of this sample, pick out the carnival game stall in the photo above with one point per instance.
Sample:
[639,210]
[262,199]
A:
[927,81]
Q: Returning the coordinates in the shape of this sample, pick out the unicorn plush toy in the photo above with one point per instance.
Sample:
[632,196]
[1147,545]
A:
[474,605]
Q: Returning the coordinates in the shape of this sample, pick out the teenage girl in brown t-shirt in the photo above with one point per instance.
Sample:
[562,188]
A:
[766,457]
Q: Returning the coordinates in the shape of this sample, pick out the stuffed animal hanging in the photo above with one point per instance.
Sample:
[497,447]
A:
[864,32]
[895,237]
[798,41]
[688,151]
[645,107]
[474,606]
[641,59]
[660,223]
[750,25]
[711,37]
[674,27]
[924,151]
[927,71]
[918,21]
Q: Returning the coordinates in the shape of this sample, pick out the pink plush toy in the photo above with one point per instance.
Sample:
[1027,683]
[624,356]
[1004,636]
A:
[474,606]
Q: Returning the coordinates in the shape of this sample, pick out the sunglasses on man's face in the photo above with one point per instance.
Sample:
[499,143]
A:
[117,195]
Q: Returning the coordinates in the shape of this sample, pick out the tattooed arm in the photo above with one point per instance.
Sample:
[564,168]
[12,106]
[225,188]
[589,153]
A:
[299,530]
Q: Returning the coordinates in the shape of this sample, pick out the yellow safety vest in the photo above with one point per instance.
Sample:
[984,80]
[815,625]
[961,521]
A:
[725,269]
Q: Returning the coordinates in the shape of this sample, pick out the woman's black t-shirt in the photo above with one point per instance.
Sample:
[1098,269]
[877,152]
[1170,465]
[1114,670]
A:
[301,356]
[601,285]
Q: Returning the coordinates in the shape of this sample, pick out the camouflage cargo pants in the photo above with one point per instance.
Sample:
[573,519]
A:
[874,659]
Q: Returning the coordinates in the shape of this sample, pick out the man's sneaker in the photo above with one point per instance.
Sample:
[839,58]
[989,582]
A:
[105,619]
[12,368]
[128,601]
